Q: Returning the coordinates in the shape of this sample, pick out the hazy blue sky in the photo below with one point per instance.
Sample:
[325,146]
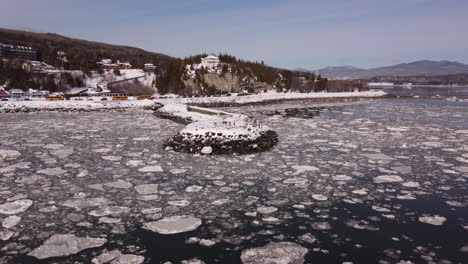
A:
[295,33]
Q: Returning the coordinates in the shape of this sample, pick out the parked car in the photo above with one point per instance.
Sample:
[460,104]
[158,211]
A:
[27,99]
[4,99]
[104,99]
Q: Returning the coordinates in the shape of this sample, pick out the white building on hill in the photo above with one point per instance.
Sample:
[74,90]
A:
[210,61]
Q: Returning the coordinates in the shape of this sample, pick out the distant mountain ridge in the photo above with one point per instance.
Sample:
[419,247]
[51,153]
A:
[417,68]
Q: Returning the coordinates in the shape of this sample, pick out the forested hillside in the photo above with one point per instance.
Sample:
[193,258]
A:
[173,75]
[81,54]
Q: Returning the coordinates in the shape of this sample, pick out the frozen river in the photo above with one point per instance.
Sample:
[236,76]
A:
[381,181]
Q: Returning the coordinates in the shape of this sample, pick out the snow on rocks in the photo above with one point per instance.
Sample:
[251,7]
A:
[64,245]
[15,207]
[432,220]
[388,179]
[275,253]
[173,225]
[216,132]
[206,150]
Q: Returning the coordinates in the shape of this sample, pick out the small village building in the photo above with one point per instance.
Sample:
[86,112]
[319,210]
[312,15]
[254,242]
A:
[107,64]
[38,93]
[210,61]
[4,93]
[17,52]
[38,67]
[17,93]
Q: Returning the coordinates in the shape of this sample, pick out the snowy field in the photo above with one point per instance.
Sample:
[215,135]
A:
[380,181]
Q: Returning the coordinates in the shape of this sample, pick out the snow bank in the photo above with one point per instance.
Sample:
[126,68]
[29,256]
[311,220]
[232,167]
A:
[272,96]
[26,106]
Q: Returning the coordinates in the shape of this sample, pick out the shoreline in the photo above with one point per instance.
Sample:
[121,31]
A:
[152,105]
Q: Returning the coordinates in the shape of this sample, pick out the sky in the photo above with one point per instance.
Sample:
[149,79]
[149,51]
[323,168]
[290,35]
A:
[309,34]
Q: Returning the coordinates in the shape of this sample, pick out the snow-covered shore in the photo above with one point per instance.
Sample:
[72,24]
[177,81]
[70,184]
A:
[96,105]
[72,105]
[274,96]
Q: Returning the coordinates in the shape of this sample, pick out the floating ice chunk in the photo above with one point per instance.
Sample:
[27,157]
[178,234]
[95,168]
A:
[11,221]
[377,156]
[119,184]
[106,257]
[151,169]
[267,209]
[7,153]
[142,139]
[301,181]
[111,158]
[147,189]
[433,220]
[173,225]
[309,238]
[83,203]
[64,245]
[15,207]
[359,191]
[380,209]
[388,179]
[109,210]
[304,168]
[180,203]
[134,163]
[410,184]
[319,197]
[341,178]
[52,171]
[275,253]
[193,188]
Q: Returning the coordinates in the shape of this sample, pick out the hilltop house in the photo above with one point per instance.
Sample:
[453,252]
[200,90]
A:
[210,61]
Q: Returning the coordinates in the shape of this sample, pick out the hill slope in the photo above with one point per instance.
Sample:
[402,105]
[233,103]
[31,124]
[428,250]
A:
[82,54]
[417,68]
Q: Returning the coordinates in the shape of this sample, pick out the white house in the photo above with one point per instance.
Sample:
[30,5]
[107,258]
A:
[149,66]
[210,61]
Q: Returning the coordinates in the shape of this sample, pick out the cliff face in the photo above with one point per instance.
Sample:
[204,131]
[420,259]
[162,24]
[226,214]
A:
[226,83]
